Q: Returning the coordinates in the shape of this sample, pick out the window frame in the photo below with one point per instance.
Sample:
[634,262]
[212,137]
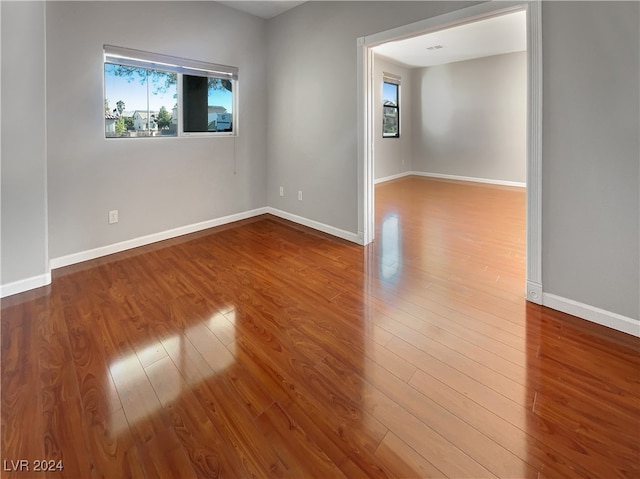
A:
[180,66]
[391,79]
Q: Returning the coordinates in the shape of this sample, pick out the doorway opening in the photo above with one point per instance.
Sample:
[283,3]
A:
[368,133]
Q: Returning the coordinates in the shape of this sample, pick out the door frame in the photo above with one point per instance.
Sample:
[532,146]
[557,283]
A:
[533,8]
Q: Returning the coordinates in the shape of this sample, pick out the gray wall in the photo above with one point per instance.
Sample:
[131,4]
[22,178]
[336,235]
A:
[392,156]
[307,100]
[590,133]
[470,118]
[157,184]
[591,154]
[24,169]
[312,112]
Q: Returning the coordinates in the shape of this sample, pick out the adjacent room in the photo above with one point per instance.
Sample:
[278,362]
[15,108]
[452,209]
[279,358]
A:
[189,285]
[463,103]
[450,114]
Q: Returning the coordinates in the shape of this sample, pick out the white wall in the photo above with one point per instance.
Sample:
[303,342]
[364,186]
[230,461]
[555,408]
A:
[591,154]
[24,202]
[471,118]
[392,156]
[157,184]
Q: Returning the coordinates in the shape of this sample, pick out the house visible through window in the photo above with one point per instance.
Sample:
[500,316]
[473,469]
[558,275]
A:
[152,95]
[390,106]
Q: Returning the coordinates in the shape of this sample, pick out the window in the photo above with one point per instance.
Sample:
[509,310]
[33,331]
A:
[390,106]
[152,95]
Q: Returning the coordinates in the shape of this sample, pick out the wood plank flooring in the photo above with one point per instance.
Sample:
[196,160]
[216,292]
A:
[264,349]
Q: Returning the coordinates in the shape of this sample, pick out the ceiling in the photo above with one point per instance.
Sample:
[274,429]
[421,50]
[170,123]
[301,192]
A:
[494,36]
[265,9]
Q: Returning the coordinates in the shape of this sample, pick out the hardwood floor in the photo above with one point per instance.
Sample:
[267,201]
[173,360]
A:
[264,349]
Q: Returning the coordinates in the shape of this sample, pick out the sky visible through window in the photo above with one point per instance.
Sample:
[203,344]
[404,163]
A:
[389,92]
[133,92]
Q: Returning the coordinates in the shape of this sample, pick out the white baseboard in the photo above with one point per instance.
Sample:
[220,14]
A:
[59,262]
[490,181]
[393,177]
[591,313]
[23,285]
[347,235]
[173,233]
[534,292]
[152,238]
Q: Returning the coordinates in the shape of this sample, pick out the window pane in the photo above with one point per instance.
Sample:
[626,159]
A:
[220,101]
[139,102]
[390,110]
[390,122]
[207,104]
[194,103]
[390,93]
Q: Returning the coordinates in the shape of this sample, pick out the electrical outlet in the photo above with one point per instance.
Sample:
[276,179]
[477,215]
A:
[300,195]
[282,191]
[113,216]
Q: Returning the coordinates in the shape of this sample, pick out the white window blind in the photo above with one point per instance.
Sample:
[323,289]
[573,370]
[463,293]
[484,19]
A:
[391,78]
[155,61]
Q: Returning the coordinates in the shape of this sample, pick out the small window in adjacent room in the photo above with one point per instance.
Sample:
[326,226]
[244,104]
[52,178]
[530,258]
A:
[390,106]
[153,95]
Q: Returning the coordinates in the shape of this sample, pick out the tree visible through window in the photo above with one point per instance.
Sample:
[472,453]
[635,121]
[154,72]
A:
[143,99]
[154,95]
[390,110]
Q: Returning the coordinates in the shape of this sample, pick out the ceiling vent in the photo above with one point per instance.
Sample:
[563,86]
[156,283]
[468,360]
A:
[435,47]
